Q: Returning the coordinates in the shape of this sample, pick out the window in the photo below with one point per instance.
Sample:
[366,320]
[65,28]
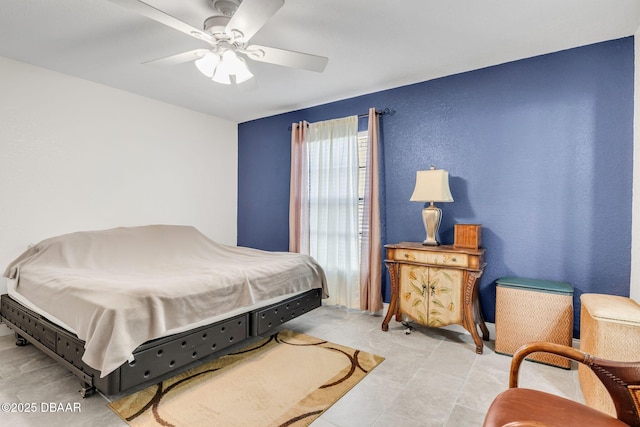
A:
[333,214]
[335,205]
[362,170]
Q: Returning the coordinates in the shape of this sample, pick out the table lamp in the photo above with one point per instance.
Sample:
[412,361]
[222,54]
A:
[432,186]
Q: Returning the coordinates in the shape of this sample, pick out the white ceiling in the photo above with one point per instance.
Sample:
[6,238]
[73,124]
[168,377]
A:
[371,45]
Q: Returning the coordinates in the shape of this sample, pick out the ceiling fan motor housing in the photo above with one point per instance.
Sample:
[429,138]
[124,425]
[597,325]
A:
[226,7]
[216,24]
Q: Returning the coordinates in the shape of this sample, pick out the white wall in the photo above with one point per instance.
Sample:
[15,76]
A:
[635,212]
[75,155]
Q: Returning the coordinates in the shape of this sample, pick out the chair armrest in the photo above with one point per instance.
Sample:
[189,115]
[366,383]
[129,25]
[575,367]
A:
[545,347]
[621,379]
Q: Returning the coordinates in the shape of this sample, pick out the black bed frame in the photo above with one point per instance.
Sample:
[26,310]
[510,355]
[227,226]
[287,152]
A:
[154,358]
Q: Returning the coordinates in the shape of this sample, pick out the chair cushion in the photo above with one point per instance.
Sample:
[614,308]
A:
[522,406]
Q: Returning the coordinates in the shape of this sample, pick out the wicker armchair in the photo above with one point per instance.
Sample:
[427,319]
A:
[526,407]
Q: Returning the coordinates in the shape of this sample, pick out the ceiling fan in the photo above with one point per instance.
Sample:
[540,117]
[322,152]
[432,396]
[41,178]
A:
[228,33]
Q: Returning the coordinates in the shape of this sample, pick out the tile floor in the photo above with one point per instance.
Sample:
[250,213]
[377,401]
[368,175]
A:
[431,377]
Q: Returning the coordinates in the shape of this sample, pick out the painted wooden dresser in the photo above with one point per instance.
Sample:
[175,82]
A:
[436,286]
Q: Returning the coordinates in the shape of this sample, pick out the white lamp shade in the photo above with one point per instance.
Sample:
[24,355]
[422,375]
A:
[222,75]
[208,63]
[231,65]
[242,72]
[432,186]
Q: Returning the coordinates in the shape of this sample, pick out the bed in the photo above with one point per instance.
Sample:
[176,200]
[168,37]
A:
[123,306]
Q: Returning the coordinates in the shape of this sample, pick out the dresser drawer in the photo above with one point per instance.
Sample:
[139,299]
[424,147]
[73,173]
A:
[447,259]
[437,256]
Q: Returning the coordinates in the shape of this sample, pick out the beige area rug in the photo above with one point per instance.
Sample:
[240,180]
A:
[288,379]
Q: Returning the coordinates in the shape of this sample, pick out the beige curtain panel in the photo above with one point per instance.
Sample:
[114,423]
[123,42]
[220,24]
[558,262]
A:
[371,248]
[299,189]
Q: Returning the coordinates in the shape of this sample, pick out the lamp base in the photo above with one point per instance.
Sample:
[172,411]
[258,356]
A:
[431,217]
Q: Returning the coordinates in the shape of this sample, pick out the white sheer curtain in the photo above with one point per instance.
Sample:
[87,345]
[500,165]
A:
[332,148]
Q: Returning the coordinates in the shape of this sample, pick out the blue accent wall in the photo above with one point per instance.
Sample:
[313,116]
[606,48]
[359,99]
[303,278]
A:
[539,151]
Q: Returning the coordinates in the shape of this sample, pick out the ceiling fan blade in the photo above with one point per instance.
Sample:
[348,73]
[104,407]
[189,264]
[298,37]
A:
[287,58]
[179,58]
[144,9]
[251,16]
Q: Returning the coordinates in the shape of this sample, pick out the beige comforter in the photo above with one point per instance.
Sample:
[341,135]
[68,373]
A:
[121,287]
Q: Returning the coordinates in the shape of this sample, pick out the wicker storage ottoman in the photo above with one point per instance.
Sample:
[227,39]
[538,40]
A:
[610,329]
[529,310]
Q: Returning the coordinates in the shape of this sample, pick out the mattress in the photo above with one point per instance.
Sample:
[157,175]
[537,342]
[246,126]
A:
[118,288]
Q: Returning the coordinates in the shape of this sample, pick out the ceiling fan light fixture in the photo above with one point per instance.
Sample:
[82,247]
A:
[221,76]
[208,63]
[231,65]
[242,72]
[230,60]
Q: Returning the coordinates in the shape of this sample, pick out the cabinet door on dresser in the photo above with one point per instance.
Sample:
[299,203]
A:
[431,296]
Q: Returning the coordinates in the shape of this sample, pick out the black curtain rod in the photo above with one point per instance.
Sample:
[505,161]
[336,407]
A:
[380,112]
[360,116]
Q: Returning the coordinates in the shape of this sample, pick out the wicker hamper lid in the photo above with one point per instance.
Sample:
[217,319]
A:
[536,285]
[611,308]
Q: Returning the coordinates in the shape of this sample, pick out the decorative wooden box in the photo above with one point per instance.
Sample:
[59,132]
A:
[468,236]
